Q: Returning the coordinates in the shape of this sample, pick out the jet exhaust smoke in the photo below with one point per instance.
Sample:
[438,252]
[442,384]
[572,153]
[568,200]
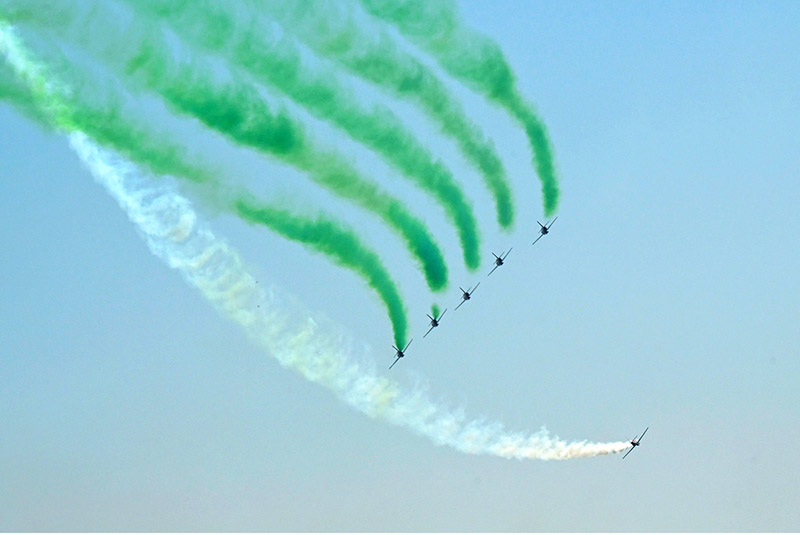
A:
[39,96]
[342,246]
[235,109]
[476,60]
[276,60]
[52,104]
[333,30]
[316,349]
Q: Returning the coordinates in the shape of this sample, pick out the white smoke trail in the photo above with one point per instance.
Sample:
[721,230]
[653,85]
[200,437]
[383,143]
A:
[273,319]
[278,323]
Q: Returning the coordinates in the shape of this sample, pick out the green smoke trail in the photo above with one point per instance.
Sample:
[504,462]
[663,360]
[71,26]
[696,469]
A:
[235,109]
[314,348]
[475,59]
[27,85]
[38,96]
[373,54]
[339,244]
[15,92]
[276,60]
[244,117]
[435,310]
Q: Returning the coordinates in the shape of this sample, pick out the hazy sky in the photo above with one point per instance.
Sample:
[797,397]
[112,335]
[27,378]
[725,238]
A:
[666,296]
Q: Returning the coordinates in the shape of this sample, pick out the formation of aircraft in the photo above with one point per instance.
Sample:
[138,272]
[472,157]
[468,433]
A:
[466,295]
[498,260]
[635,442]
[544,229]
[434,322]
[400,353]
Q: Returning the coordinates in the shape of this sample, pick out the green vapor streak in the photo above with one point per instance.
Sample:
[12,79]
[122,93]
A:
[435,310]
[236,110]
[276,60]
[339,244]
[478,61]
[245,118]
[13,91]
[27,85]
[33,92]
[372,54]
[241,114]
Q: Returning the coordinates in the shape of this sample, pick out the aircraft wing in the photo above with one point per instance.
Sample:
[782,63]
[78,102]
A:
[395,362]
[429,330]
[645,431]
[443,313]
[629,452]
[551,223]
[506,255]
[492,271]
[461,303]
[537,239]
[475,288]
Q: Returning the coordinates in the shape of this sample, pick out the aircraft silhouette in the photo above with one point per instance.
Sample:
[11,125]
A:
[634,443]
[466,295]
[400,353]
[498,260]
[545,229]
[434,322]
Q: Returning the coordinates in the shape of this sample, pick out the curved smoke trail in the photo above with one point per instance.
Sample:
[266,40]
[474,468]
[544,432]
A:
[316,350]
[341,245]
[333,30]
[41,97]
[275,321]
[36,93]
[477,60]
[276,60]
[237,110]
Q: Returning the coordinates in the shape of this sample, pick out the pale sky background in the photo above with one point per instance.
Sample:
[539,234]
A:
[667,295]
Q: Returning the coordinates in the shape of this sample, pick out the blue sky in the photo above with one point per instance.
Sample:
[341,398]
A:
[667,295]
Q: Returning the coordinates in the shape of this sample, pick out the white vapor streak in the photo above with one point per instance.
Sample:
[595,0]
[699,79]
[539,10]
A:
[279,324]
[273,319]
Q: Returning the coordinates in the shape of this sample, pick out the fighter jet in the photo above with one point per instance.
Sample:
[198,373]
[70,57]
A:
[400,353]
[434,322]
[545,229]
[466,295]
[634,443]
[498,260]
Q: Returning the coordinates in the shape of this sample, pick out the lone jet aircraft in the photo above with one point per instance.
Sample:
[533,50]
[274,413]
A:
[498,260]
[545,229]
[434,322]
[467,295]
[400,353]
[634,443]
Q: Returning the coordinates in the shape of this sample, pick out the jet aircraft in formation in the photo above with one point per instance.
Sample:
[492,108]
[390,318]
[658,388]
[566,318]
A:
[400,353]
[635,442]
[466,295]
[499,260]
[544,229]
[434,322]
